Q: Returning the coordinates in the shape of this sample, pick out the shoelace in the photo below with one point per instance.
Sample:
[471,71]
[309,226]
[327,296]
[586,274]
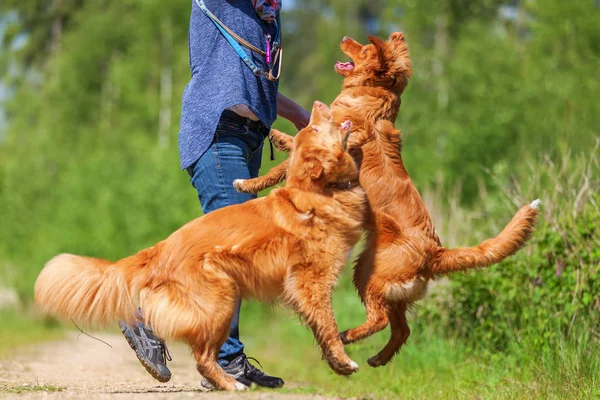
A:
[165,352]
[253,368]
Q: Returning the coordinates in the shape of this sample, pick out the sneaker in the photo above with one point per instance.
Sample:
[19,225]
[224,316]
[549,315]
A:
[150,350]
[241,370]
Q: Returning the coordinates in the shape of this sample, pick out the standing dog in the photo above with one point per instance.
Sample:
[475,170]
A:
[289,245]
[402,251]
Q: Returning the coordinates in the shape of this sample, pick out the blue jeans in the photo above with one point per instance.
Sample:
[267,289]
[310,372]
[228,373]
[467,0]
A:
[235,153]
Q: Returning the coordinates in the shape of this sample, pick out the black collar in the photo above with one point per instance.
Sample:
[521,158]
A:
[347,185]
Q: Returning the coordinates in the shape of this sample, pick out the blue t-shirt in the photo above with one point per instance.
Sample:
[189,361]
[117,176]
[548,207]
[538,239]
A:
[220,79]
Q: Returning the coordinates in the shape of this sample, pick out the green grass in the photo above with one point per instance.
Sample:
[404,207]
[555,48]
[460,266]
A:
[30,388]
[19,328]
[430,366]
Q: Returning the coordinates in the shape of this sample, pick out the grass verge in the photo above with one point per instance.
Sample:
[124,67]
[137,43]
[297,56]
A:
[19,328]
[30,388]
[428,367]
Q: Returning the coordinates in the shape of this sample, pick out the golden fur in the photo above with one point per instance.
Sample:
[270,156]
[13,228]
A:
[402,250]
[290,245]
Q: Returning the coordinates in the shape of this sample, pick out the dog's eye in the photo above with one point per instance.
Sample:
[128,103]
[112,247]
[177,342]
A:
[314,128]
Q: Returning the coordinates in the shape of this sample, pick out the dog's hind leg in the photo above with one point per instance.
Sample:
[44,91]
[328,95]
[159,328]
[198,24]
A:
[399,335]
[377,320]
[309,294]
[215,300]
[369,282]
[206,363]
[208,336]
[369,288]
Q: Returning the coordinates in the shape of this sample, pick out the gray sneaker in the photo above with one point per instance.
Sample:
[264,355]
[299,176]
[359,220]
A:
[242,371]
[150,350]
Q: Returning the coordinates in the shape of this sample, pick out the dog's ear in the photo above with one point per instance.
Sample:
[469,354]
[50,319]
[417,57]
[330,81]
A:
[397,38]
[345,129]
[378,43]
[315,168]
[398,51]
[380,46]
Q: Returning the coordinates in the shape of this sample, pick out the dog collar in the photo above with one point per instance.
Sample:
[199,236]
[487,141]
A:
[347,185]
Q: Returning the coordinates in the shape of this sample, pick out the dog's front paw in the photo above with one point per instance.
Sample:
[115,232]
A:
[353,366]
[241,387]
[346,367]
[238,184]
[344,338]
[376,361]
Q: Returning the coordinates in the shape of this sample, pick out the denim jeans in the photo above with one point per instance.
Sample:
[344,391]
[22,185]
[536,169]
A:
[235,153]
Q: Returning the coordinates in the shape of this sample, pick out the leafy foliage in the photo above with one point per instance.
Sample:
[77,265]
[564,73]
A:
[89,163]
[548,292]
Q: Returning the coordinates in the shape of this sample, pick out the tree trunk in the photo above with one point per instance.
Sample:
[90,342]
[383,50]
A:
[166,82]
[440,58]
[57,27]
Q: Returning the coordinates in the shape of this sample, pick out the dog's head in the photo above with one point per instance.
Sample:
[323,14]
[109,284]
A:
[379,63]
[319,158]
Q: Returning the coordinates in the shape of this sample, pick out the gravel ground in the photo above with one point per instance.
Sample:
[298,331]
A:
[83,368]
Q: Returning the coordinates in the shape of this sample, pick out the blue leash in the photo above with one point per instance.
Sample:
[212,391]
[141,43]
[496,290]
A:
[227,33]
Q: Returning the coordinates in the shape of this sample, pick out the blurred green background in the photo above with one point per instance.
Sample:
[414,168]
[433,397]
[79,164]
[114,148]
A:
[502,108]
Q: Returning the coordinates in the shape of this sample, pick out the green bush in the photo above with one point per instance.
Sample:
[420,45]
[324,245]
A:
[549,289]
[538,294]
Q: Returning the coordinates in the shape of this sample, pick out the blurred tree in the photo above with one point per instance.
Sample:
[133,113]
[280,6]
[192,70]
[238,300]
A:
[494,84]
[42,23]
[88,162]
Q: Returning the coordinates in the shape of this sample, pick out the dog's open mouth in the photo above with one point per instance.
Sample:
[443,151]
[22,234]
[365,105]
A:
[344,66]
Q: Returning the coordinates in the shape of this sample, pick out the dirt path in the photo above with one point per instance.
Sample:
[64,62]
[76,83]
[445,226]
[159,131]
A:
[83,368]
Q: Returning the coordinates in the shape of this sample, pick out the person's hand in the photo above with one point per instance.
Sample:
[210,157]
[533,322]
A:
[291,111]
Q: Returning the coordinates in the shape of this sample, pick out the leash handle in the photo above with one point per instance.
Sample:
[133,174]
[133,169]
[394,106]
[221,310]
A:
[229,36]
[268,47]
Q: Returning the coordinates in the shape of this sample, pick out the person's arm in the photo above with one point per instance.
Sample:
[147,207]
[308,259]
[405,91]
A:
[288,109]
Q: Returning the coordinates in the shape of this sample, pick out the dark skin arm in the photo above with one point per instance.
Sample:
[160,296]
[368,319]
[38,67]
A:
[288,109]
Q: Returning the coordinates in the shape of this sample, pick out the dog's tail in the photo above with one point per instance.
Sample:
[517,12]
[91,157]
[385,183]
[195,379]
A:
[96,292]
[491,251]
[90,290]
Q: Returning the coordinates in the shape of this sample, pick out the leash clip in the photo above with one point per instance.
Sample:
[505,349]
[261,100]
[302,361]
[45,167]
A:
[268,49]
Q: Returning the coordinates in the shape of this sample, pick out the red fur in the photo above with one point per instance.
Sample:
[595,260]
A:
[402,251]
[290,245]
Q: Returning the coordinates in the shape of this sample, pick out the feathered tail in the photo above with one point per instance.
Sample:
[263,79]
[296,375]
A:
[98,292]
[88,290]
[491,251]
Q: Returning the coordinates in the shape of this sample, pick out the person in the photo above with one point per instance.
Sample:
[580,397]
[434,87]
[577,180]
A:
[227,111]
